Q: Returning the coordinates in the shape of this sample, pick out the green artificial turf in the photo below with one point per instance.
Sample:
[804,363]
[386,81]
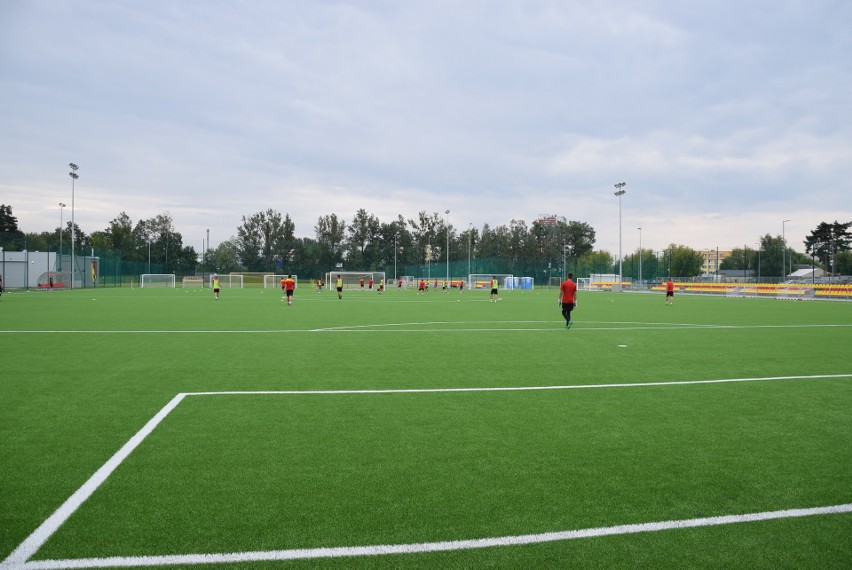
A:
[236,473]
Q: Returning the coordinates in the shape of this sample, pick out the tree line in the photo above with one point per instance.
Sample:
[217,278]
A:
[266,242]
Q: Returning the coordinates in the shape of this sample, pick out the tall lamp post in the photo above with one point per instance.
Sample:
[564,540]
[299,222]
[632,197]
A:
[619,191]
[783,251]
[74,177]
[61,205]
[640,257]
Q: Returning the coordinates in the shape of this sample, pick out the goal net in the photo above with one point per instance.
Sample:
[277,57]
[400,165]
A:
[352,279]
[162,280]
[274,281]
[483,280]
[192,281]
[228,281]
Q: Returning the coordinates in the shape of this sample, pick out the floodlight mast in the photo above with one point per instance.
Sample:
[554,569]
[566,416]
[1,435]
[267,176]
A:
[619,191]
[74,177]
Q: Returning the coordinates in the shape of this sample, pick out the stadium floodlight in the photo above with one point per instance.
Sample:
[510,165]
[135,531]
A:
[783,251]
[74,177]
[619,191]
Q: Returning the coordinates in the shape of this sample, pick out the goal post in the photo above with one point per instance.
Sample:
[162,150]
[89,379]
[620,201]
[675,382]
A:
[233,281]
[274,281]
[161,280]
[352,279]
[483,280]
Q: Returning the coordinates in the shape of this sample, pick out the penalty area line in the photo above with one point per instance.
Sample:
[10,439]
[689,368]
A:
[426,547]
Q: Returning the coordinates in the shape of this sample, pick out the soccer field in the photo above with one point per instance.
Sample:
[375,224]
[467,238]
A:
[159,428]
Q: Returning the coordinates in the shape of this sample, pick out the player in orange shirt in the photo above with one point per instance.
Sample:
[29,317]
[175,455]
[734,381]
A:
[289,285]
[669,292]
[568,299]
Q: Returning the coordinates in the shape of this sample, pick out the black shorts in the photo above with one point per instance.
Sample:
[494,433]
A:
[215,290]
[494,291]
[340,289]
[669,293]
[568,306]
[289,292]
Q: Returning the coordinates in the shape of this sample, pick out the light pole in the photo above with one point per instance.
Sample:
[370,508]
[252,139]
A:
[640,258]
[61,205]
[783,251]
[619,191]
[74,177]
[447,253]
[149,256]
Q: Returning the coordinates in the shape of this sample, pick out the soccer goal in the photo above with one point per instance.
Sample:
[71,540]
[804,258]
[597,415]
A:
[192,281]
[162,280]
[228,281]
[352,279]
[274,281]
[483,280]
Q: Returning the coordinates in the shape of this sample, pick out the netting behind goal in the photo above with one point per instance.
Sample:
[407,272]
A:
[161,280]
[228,281]
[483,280]
[352,279]
[274,281]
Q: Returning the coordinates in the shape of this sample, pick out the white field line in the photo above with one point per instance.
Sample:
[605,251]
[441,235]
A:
[444,546]
[17,560]
[513,388]
[40,535]
[390,328]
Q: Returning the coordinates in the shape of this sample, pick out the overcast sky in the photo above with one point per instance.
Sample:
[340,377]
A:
[724,118]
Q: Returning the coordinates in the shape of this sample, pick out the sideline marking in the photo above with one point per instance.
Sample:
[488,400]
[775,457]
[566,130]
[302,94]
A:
[18,559]
[383,549]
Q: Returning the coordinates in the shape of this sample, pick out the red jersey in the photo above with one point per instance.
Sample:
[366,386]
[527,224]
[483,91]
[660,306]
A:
[669,286]
[568,290]
[289,284]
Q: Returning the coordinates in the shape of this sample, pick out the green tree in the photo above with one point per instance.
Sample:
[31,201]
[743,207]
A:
[166,244]
[265,241]
[363,241]
[828,239]
[11,238]
[329,238]
[684,262]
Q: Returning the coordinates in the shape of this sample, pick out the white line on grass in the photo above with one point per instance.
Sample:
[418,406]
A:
[18,559]
[40,535]
[444,546]
[513,388]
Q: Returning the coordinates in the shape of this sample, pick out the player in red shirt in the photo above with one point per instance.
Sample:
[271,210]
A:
[362,283]
[288,285]
[568,299]
[371,283]
[669,292]
[421,287]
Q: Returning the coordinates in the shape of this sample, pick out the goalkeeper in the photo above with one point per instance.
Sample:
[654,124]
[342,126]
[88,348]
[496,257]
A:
[568,299]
